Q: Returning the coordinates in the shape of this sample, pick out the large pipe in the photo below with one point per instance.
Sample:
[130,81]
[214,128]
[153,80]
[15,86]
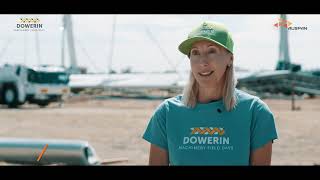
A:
[65,152]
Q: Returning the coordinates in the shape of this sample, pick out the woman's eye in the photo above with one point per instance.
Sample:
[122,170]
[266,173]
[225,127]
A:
[195,53]
[212,51]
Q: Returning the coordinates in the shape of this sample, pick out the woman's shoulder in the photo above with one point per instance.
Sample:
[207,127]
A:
[243,96]
[252,100]
[175,101]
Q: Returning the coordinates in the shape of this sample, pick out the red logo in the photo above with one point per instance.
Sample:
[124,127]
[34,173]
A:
[283,23]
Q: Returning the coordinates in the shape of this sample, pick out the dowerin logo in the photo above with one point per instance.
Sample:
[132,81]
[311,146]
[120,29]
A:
[29,24]
[207,130]
[214,137]
[282,23]
[29,20]
[206,138]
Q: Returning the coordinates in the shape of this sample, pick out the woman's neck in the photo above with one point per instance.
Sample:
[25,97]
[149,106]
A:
[207,95]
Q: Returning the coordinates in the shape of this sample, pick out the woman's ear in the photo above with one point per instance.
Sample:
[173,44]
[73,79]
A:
[231,60]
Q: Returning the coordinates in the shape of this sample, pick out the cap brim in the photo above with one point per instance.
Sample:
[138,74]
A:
[186,45]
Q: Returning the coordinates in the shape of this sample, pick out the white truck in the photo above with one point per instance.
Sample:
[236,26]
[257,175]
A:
[39,85]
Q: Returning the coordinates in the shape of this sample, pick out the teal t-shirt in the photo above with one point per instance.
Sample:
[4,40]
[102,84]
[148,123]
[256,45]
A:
[208,134]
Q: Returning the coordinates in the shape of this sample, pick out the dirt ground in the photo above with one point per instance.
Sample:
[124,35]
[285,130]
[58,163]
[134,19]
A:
[114,127]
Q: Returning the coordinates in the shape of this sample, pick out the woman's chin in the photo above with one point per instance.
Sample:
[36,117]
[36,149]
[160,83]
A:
[206,84]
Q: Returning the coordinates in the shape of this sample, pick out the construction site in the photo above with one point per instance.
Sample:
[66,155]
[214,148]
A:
[111,111]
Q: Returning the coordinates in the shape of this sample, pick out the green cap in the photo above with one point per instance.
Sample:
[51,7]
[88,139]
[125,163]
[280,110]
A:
[210,31]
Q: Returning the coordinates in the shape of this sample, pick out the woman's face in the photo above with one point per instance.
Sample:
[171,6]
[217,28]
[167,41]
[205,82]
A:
[209,62]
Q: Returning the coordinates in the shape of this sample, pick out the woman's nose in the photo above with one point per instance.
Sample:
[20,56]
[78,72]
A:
[204,61]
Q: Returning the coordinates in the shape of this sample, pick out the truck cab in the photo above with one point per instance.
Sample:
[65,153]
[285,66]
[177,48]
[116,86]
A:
[36,85]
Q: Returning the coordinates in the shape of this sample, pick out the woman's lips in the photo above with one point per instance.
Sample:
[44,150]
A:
[208,73]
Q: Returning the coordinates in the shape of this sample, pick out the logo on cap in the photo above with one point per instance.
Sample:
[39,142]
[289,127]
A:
[206,29]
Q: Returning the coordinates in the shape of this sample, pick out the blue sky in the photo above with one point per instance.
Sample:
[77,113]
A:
[256,40]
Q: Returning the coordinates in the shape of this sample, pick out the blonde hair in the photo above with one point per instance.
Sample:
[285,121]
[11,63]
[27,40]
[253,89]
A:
[191,90]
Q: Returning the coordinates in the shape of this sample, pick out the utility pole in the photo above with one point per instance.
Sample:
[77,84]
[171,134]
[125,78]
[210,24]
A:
[25,48]
[38,48]
[62,28]
[292,97]
[112,44]
[67,21]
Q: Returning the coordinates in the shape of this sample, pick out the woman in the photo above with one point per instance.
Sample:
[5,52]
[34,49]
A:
[212,122]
